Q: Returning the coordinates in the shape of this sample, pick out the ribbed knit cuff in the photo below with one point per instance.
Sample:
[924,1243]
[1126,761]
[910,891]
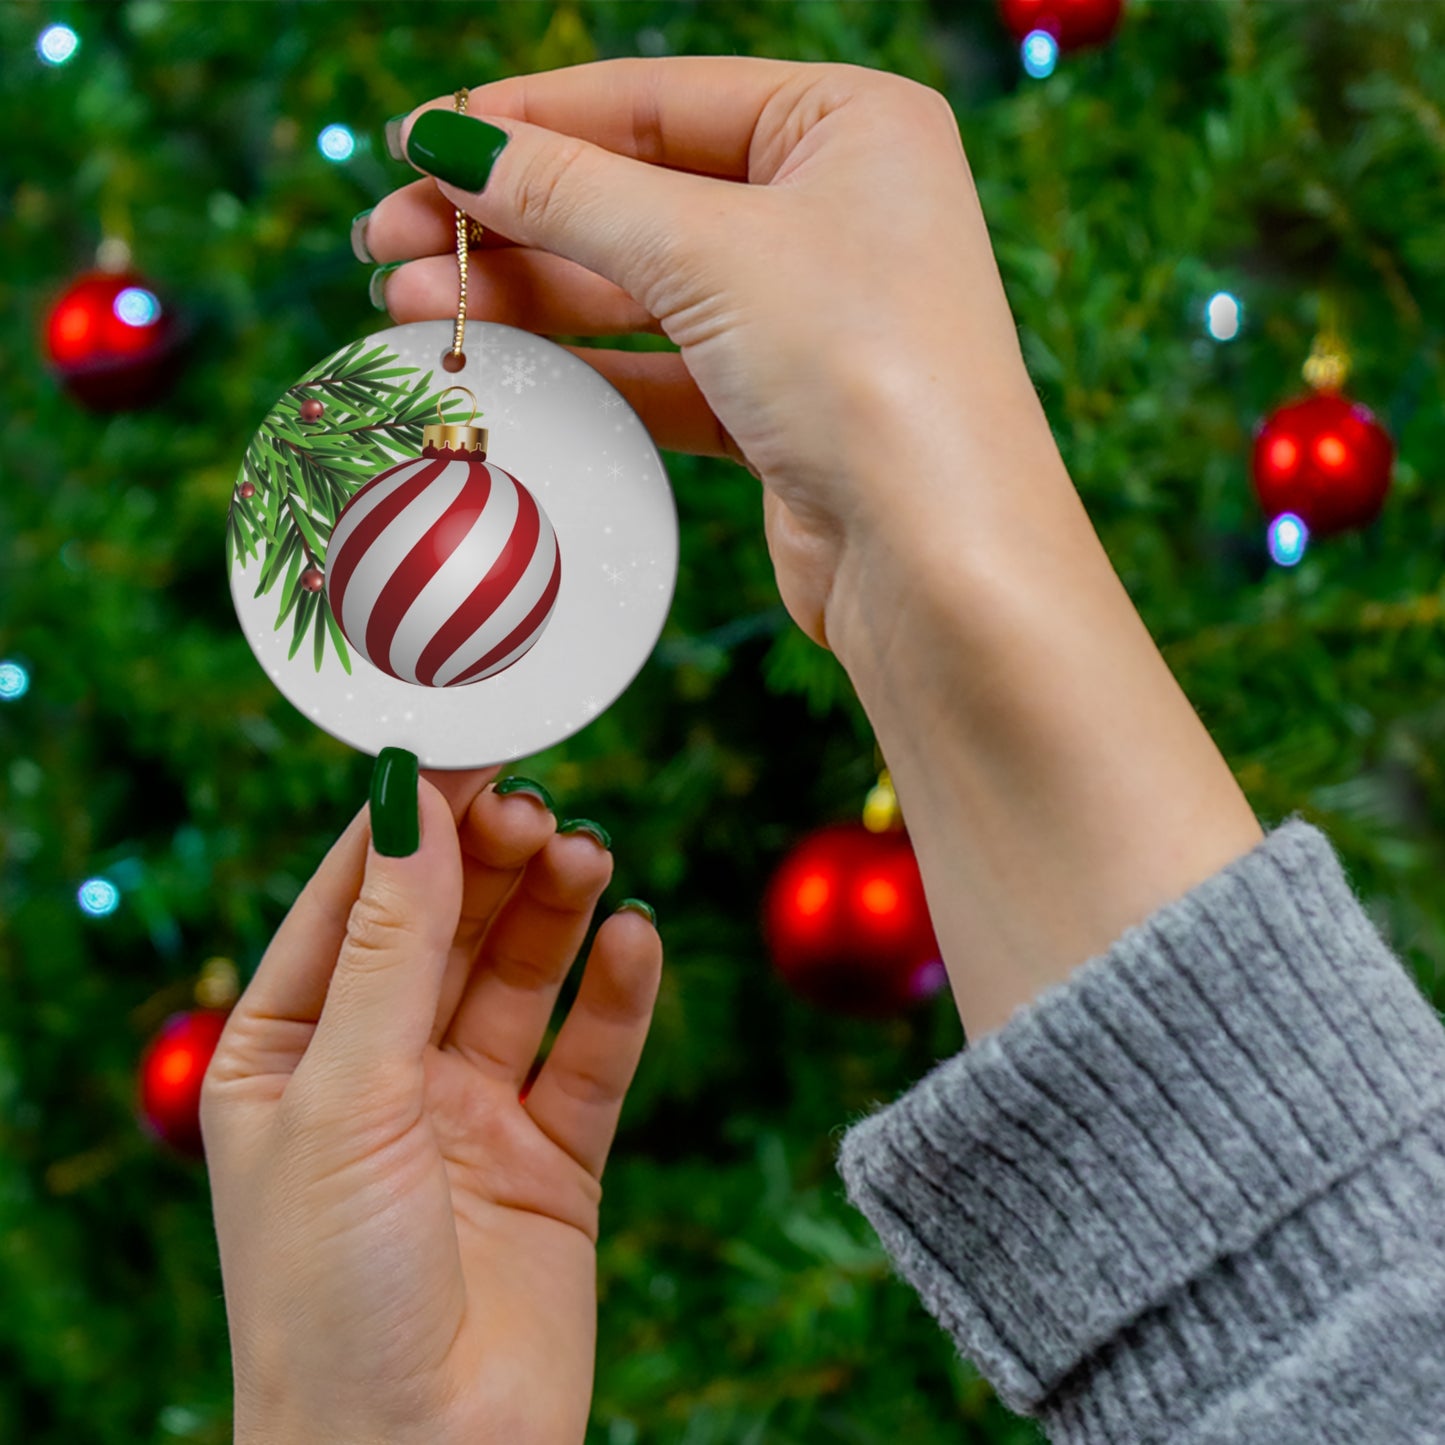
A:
[1158,1156]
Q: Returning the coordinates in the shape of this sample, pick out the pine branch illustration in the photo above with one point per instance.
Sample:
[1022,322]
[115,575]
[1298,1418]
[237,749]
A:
[303,474]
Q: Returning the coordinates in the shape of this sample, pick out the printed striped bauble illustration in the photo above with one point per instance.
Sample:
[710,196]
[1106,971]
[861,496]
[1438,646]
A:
[443,570]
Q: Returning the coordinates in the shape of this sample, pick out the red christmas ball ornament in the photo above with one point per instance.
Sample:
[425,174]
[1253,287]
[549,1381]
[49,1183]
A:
[1073,23]
[171,1071]
[313,579]
[1326,459]
[111,341]
[468,599]
[312,409]
[847,924]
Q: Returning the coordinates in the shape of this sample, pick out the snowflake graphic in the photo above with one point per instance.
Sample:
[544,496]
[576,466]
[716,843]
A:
[613,574]
[615,470]
[591,704]
[519,372]
[482,348]
[611,401]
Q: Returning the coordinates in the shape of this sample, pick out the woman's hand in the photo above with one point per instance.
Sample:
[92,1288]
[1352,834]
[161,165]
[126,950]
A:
[810,237]
[408,1247]
[842,300]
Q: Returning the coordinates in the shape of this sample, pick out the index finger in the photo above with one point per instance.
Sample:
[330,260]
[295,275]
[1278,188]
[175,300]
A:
[696,113]
[461,787]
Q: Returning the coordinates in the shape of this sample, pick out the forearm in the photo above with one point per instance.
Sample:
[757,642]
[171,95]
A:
[1057,784]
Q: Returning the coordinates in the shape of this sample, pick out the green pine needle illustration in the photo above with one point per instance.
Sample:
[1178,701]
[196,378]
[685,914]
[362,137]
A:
[305,472]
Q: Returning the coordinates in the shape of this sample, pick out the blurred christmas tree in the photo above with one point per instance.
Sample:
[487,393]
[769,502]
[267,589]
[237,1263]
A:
[1278,156]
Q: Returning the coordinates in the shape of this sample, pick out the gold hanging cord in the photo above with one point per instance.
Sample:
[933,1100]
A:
[469,233]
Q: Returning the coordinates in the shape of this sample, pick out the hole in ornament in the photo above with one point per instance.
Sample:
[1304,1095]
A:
[453,360]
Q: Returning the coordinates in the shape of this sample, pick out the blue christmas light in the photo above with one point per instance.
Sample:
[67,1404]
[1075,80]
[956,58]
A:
[1288,537]
[1040,52]
[336,143]
[14,681]
[98,897]
[1223,316]
[137,307]
[57,44]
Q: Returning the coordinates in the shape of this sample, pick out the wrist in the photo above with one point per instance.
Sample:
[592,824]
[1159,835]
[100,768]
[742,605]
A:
[951,472]
[1056,782]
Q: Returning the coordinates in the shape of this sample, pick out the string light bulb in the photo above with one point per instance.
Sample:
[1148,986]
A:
[57,44]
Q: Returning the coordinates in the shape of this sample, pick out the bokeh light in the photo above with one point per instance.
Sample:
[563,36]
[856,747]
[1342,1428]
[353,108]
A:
[336,143]
[1223,316]
[931,977]
[57,44]
[1040,52]
[98,897]
[137,307]
[1288,537]
[14,681]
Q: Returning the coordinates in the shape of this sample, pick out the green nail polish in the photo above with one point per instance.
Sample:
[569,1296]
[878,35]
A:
[376,288]
[455,148]
[586,825]
[636,905]
[358,236]
[395,811]
[392,132]
[526,785]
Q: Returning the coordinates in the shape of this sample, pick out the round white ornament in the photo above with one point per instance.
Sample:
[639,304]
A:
[473,597]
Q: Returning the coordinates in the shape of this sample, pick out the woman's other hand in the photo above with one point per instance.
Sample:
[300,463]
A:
[408,1246]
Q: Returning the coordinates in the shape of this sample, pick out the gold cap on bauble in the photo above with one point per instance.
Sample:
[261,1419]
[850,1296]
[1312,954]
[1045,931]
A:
[455,436]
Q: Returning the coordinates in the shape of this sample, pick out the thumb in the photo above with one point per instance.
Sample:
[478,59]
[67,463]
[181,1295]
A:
[633,223]
[382,1000]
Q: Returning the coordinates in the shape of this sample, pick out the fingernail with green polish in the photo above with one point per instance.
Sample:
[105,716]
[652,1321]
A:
[395,811]
[586,825]
[529,787]
[455,148]
[376,288]
[393,136]
[358,236]
[636,905]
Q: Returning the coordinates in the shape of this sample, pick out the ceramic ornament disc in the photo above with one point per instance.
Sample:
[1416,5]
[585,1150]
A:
[473,609]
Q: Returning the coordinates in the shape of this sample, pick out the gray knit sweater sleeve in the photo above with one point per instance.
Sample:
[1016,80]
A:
[1195,1193]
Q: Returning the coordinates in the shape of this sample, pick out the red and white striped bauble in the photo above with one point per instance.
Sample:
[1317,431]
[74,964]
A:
[443,570]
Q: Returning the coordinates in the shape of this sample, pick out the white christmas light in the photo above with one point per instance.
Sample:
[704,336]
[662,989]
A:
[137,307]
[1223,316]
[14,681]
[98,897]
[1288,537]
[336,143]
[57,44]
[1040,52]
